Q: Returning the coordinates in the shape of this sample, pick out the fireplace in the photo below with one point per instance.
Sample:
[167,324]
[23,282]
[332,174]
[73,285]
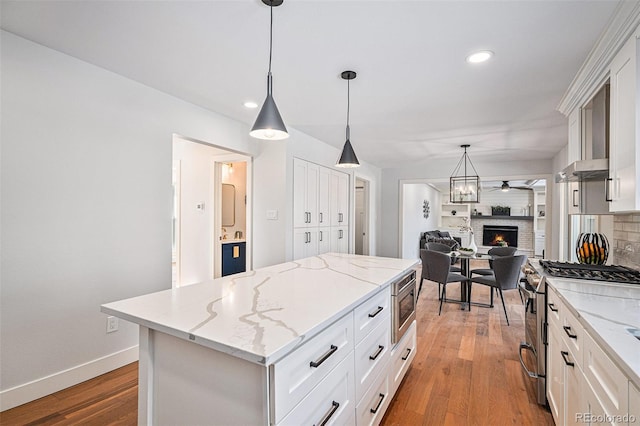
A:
[498,234]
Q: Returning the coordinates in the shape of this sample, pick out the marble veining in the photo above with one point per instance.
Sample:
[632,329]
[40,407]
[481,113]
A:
[261,315]
[607,310]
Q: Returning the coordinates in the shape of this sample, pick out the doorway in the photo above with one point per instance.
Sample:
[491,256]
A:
[199,172]
[361,239]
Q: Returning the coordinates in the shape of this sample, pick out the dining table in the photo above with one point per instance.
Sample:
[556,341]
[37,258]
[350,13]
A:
[465,262]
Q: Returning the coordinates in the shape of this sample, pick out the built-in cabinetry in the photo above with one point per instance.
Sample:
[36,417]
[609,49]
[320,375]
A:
[584,384]
[320,210]
[234,255]
[624,152]
[452,217]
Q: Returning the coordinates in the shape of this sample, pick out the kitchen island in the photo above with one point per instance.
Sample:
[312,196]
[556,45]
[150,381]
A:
[278,345]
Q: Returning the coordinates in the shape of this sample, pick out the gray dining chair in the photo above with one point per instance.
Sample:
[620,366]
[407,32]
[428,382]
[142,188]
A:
[494,252]
[443,248]
[436,267]
[506,275]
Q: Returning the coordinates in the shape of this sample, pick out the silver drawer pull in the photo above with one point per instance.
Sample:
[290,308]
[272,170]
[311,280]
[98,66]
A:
[375,410]
[373,314]
[323,358]
[326,417]
[567,330]
[565,354]
[404,358]
[377,354]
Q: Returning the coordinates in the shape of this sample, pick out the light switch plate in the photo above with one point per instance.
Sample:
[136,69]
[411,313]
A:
[272,214]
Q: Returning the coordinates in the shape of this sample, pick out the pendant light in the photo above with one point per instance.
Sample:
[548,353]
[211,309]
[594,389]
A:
[269,124]
[464,188]
[348,157]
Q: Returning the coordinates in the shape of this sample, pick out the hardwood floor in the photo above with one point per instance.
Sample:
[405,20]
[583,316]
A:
[466,372]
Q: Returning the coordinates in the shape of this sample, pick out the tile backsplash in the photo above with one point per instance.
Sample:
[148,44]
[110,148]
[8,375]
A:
[626,240]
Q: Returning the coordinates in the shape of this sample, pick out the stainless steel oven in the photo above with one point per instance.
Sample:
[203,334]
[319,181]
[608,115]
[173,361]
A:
[403,305]
[534,357]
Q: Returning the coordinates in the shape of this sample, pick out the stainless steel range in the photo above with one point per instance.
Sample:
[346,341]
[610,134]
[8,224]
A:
[609,273]
[534,360]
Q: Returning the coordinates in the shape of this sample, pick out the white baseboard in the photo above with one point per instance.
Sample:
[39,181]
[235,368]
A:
[47,385]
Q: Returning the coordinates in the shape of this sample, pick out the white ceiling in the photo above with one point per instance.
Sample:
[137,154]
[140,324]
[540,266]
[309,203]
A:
[415,97]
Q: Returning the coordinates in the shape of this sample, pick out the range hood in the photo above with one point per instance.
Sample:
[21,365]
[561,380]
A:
[585,170]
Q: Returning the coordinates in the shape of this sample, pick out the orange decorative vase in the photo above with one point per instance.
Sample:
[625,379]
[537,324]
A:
[592,248]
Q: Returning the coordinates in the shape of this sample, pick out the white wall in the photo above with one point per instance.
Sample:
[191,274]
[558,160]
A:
[86,208]
[388,236]
[413,221]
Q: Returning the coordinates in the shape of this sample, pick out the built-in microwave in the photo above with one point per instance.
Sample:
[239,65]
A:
[403,305]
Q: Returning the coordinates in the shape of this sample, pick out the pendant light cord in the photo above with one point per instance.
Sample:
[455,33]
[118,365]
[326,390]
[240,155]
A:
[348,106]
[270,36]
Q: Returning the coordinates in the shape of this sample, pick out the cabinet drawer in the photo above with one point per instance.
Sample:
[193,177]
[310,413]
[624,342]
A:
[331,402]
[573,334]
[300,371]
[371,313]
[402,355]
[609,384]
[375,401]
[371,355]
[553,306]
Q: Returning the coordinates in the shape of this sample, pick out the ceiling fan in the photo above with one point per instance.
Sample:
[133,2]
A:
[505,187]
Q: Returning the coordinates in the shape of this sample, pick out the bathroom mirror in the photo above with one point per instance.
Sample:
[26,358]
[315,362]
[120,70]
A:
[228,205]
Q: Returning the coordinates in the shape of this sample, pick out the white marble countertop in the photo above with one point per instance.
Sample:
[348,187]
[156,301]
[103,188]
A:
[262,315]
[606,310]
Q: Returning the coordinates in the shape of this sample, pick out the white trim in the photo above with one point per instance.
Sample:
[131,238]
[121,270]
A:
[31,391]
[595,69]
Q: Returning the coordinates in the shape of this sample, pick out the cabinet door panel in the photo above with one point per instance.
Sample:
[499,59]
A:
[623,149]
[300,213]
[324,215]
[313,175]
[555,375]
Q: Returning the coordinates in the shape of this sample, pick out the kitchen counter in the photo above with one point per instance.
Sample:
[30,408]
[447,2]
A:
[262,315]
[606,310]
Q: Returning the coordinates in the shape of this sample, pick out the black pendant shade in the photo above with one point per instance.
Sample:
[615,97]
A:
[269,124]
[348,157]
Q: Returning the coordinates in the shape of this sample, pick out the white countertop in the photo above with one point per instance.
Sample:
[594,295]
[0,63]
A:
[262,315]
[606,310]
[231,240]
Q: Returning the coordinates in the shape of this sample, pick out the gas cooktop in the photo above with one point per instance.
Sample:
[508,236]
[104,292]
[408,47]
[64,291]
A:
[609,273]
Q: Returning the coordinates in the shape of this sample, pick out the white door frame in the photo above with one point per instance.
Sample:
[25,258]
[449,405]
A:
[366,225]
[216,197]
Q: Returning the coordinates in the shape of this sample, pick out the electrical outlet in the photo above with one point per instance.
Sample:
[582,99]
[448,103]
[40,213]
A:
[112,324]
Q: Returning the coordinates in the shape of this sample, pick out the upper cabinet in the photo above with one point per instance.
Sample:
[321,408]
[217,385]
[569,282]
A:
[624,153]
[574,151]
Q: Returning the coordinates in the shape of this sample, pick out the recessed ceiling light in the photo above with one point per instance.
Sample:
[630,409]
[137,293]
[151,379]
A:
[481,56]
[251,105]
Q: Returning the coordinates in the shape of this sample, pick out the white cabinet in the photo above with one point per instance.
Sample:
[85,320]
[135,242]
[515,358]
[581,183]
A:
[339,239]
[634,402]
[320,210]
[402,355]
[339,192]
[306,242]
[624,152]
[585,386]
[574,148]
[305,193]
